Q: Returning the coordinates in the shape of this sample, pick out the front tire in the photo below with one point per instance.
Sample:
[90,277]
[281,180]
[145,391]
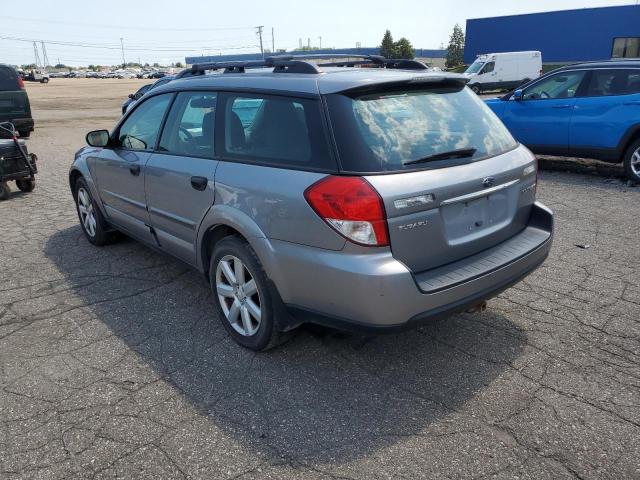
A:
[632,162]
[92,222]
[476,89]
[241,292]
[5,191]
[24,133]
[26,184]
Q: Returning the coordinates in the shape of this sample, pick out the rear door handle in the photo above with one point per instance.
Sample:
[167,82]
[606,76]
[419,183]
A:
[199,183]
[135,170]
[562,106]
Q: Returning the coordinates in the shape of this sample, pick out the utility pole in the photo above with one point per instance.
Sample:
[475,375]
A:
[273,42]
[37,55]
[124,62]
[45,58]
[320,39]
[259,32]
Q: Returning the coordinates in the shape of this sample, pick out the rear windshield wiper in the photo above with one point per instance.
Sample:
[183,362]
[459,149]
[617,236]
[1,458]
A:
[460,153]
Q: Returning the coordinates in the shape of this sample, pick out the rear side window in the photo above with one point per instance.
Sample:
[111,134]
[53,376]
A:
[140,130]
[613,82]
[274,130]
[189,126]
[8,79]
[387,131]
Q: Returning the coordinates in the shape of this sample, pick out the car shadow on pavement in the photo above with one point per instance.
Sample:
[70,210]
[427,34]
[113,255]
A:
[323,396]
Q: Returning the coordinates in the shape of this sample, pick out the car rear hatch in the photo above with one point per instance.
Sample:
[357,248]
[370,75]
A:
[14,102]
[452,179]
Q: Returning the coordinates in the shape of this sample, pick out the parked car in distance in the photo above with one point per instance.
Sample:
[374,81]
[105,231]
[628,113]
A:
[157,75]
[418,205]
[497,71]
[134,97]
[587,110]
[14,101]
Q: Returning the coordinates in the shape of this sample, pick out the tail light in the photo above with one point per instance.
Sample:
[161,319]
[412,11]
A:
[20,83]
[352,207]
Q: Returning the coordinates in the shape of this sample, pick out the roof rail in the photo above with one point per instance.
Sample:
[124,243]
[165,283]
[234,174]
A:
[297,64]
[392,63]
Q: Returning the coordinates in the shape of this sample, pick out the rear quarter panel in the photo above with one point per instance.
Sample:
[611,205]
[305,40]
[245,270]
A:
[273,199]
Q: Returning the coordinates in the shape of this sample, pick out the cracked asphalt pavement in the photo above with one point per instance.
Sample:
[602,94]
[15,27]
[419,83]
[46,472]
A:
[113,364]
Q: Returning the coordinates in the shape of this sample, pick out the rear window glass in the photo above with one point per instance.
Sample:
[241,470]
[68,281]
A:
[391,130]
[274,130]
[8,79]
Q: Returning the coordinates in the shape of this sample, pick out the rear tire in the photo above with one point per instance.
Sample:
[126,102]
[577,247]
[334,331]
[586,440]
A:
[632,162]
[5,191]
[26,184]
[93,224]
[242,295]
[24,133]
[45,80]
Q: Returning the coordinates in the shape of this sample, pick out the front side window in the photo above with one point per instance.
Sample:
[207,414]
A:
[489,67]
[140,130]
[190,125]
[626,48]
[402,129]
[613,82]
[275,130]
[561,85]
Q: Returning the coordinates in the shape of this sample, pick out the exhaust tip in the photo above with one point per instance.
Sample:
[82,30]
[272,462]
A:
[478,308]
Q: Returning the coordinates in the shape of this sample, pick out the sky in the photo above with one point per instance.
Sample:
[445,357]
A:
[83,32]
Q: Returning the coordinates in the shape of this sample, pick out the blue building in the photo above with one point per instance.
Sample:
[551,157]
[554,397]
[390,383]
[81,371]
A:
[562,37]
[429,55]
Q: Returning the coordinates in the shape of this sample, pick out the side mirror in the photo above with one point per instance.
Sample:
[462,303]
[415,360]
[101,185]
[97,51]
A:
[517,95]
[98,138]
[132,96]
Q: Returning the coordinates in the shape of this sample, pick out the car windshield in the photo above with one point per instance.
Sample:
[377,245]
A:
[390,130]
[475,67]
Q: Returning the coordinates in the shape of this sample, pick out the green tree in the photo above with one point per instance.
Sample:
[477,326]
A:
[404,49]
[455,50]
[179,65]
[388,48]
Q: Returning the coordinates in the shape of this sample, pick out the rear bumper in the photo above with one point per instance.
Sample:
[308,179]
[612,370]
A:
[375,292]
[23,124]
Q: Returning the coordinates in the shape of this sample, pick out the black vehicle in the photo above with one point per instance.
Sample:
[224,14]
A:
[157,75]
[15,162]
[134,97]
[14,102]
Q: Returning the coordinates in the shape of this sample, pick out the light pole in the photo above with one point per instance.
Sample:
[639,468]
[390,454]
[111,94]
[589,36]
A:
[124,62]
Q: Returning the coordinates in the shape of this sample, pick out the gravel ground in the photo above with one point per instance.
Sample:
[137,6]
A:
[112,364]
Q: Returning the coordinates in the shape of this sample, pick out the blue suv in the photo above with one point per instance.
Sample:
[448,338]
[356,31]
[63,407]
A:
[588,110]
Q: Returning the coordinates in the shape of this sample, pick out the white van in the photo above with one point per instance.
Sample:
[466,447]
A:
[507,70]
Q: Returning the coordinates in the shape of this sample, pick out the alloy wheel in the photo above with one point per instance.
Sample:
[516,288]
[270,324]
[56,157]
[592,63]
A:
[87,217]
[238,295]
[635,162]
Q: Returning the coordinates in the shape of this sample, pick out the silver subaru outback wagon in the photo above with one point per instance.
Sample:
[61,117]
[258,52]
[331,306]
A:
[357,198]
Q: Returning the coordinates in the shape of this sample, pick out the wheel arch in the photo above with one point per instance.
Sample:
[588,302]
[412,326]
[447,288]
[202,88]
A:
[222,221]
[631,135]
